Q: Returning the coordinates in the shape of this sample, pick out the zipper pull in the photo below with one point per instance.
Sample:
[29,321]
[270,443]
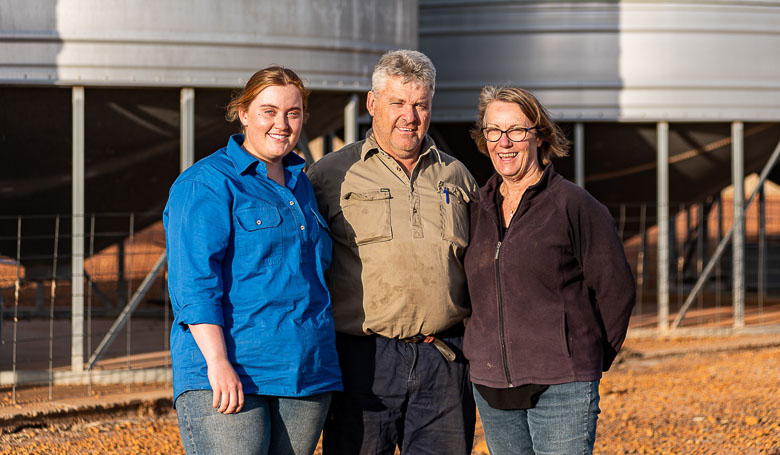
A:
[498,248]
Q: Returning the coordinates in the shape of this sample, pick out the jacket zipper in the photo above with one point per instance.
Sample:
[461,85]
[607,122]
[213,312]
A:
[502,335]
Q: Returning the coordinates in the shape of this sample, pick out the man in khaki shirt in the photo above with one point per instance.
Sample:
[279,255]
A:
[396,207]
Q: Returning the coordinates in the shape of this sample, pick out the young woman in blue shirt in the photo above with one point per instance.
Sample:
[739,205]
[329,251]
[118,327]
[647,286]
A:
[252,344]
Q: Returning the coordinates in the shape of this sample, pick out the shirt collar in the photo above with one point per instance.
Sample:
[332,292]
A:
[246,162]
[371,145]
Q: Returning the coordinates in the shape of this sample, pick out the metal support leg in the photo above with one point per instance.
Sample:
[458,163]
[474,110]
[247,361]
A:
[351,120]
[579,154]
[663,225]
[77,240]
[738,257]
[187,128]
[761,248]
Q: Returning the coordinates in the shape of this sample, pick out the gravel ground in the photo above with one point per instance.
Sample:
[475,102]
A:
[703,396]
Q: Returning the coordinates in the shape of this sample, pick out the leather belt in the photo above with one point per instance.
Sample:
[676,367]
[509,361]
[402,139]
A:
[440,345]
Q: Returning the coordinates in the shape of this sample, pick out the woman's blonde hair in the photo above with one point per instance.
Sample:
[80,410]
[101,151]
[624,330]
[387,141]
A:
[267,77]
[554,142]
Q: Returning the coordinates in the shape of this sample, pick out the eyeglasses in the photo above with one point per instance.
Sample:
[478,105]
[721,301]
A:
[514,134]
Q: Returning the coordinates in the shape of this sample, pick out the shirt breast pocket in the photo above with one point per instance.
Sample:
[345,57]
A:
[259,236]
[367,216]
[453,202]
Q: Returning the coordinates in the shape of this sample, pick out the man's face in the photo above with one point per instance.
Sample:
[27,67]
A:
[402,114]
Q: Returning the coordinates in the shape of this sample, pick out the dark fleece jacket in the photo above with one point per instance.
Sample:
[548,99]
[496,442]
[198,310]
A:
[551,302]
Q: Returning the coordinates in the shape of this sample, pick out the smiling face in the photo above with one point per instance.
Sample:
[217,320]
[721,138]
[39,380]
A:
[512,160]
[273,122]
[402,114]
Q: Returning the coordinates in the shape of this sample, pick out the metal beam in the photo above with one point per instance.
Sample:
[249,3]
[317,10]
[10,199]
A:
[662,132]
[127,311]
[77,239]
[738,243]
[187,128]
[351,120]
[579,154]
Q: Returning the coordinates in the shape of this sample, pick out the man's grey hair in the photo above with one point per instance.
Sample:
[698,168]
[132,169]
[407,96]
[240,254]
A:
[409,65]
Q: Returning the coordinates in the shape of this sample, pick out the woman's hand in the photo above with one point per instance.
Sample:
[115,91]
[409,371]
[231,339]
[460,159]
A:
[228,392]
[224,381]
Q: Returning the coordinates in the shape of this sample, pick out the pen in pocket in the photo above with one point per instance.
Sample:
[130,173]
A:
[446,195]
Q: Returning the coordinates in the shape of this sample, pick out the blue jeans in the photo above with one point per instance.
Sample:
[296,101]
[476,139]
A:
[562,423]
[400,394]
[265,425]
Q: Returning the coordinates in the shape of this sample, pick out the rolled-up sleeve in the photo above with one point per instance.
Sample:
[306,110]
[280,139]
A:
[197,230]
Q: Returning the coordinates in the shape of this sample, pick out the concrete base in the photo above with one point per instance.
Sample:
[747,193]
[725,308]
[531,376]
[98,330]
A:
[65,377]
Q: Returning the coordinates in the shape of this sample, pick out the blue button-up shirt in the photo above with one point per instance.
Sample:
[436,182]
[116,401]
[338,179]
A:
[249,255]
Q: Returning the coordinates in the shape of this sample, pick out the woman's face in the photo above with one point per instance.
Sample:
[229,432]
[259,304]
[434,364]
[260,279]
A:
[273,122]
[512,160]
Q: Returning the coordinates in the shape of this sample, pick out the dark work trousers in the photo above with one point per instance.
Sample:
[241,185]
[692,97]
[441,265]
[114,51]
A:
[399,393]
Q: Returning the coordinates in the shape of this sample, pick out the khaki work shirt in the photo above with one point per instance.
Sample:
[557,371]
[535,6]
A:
[398,240]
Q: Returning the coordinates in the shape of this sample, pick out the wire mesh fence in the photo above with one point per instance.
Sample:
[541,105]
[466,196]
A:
[37,304]
[123,251]
[695,231]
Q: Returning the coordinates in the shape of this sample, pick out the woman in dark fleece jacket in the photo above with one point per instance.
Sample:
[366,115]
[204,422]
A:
[550,287]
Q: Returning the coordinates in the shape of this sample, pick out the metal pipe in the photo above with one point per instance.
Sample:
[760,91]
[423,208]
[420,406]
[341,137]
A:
[662,131]
[351,120]
[579,154]
[187,128]
[738,242]
[77,239]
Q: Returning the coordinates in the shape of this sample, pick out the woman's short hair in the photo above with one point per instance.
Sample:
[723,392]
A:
[410,66]
[267,77]
[554,142]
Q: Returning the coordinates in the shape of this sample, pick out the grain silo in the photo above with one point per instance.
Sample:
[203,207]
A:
[664,101]
[103,102]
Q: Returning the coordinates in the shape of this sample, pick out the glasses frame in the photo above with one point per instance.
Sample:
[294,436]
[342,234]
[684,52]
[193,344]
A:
[503,132]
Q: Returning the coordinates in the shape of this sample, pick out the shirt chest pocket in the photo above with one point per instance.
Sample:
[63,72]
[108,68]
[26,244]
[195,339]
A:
[453,202]
[367,216]
[259,235]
